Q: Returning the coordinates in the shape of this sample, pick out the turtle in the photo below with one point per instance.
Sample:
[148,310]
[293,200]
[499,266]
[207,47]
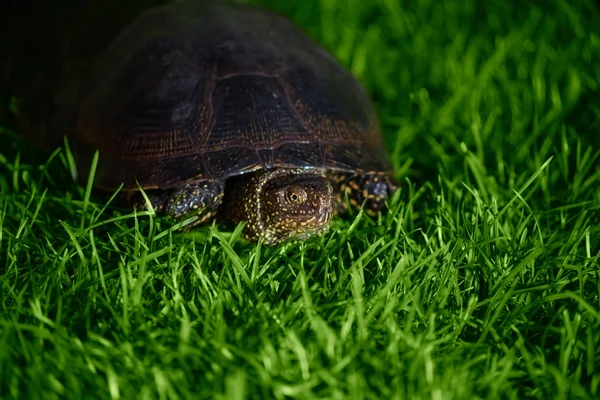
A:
[230,111]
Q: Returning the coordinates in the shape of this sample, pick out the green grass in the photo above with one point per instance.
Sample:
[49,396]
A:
[482,281]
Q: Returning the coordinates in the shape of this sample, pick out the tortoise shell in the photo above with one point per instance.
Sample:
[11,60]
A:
[194,92]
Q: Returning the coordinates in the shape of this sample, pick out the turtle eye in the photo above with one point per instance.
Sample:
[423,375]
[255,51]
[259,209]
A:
[295,195]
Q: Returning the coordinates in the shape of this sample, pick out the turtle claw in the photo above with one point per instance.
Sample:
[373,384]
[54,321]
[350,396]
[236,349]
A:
[363,190]
[194,199]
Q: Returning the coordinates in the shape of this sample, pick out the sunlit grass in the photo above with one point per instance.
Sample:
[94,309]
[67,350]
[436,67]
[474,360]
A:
[482,280]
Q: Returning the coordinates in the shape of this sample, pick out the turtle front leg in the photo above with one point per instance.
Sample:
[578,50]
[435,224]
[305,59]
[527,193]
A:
[372,190]
[201,199]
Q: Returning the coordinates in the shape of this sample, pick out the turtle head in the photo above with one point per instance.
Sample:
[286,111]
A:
[294,204]
[282,204]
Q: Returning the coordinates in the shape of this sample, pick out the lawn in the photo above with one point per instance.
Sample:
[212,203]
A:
[481,281]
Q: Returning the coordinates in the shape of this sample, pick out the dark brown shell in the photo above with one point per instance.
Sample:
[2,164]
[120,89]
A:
[211,90]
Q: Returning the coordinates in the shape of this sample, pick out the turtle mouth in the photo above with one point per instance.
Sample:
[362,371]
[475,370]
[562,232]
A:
[316,226]
[315,221]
